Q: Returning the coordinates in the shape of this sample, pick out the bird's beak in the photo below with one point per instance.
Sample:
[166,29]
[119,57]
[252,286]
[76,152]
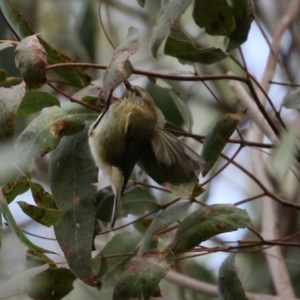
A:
[128,85]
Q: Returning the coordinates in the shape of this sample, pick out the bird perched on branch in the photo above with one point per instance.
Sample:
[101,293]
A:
[130,126]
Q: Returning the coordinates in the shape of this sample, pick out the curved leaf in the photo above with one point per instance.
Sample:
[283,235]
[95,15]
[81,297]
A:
[72,174]
[44,216]
[14,227]
[43,134]
[230,286]
[35,101]
[179,45]
[117,71]
[169,15]
[73,76]
[207,222]
[217,138]
[10,99]
[216,16]
[31,60]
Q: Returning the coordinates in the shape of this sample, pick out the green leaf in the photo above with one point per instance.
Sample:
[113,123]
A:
[117,71]
[2,75]
[14,227]
[51,284]
[283,156]
[31,60]
[16,184]
[244,15]
[162,220]
[169,15]
[17,284]
[137,200]
[43,134]
[35,101]
[121,243]
[35,259]
[216,16]
[89,94]
[41,197]
[140,280]
[72,174]
[73,76]
[207,222]
[179,45]
[217,138]
[10,99]
[292,99]
[229,284]
[44,216]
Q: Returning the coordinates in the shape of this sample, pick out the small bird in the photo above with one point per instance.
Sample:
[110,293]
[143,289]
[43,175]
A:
[129,127]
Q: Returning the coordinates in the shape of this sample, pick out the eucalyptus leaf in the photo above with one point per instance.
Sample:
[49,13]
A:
[44,216]
[207,222]
[73,76]
[35,101]
[216,16]
[162,220]
[169,15]
[72,174]
[15,228]
[43,134]
[140,280]
[31,60]
[217,138]
[292,99]
[229,284]
[179,45]
[122,243]
[117,71]
[10,99]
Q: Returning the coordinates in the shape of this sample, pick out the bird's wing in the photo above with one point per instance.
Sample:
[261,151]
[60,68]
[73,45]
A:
[132,151]
[170,151]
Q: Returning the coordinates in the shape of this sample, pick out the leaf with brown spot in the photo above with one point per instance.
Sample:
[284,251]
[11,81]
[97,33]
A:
[72,174]
[43,134]
[41,197]
[31,60]
[216,16]
[117,71]
[207,222]
[44,216]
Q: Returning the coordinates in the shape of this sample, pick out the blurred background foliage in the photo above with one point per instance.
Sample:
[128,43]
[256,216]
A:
[73,27]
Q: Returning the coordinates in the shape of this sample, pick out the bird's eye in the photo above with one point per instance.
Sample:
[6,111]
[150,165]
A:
[138,94]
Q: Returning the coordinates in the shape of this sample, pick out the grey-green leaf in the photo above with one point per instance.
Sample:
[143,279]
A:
[10,99]
[31,60]
[217,139]
[72,174]
[121,243]
[229,284]
[207,222]
[14,227]
[118,71]
[169,15]
[43,134]
[216,16]
[292,99]
[179,45]
[35,101]
[162,220]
